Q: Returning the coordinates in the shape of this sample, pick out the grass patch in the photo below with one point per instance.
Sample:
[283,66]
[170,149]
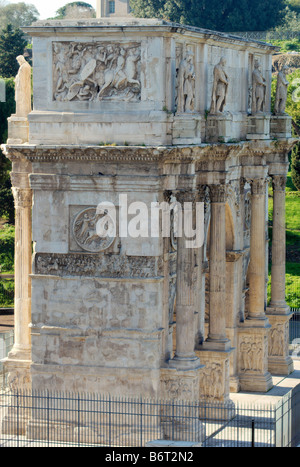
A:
[292,285]
[292,281]
[292,207]
[292,45]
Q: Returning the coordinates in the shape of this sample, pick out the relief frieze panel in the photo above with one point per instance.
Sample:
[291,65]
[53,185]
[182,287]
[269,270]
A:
[108,266]
[96,71]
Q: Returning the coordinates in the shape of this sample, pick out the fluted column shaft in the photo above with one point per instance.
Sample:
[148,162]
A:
[185,356]
[257,251]
[217,267]
[278,243]
[23,258]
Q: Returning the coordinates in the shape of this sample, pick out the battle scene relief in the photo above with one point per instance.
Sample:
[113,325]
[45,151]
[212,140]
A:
[96,71]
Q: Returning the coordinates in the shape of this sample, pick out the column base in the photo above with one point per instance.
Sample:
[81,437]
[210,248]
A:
[222,345]
[278,309]
[184,363]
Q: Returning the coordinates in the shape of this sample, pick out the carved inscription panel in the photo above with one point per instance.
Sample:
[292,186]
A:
[96,71]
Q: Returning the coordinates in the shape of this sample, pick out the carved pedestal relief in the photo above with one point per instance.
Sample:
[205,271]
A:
[252,354]
[96,71]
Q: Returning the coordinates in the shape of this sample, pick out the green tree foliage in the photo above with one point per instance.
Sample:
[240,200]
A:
[17,14]
[7,108]
[75,10]
[290,22]
[295,166]
[7,248]
[7,208]
[225,15]
[294,5]
[12,44]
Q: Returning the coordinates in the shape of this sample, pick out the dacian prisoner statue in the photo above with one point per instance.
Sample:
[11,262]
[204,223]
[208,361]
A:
[186,79]
[23,88]
[258,89]
[281,92]
[220,88]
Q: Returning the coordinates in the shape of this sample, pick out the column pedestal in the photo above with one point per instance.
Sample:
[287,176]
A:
[18,130]
[254,375]
[219,128]
[281,126]
[258,127]
[180,421]
[280,363]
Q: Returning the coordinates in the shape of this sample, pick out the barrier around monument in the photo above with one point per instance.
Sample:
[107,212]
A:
[42,418]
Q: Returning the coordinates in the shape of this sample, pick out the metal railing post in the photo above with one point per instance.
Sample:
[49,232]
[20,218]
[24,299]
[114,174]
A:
[253,433]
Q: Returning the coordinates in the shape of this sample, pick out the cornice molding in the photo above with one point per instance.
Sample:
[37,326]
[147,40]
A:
[147,154]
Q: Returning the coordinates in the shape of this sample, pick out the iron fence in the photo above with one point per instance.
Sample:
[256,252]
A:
[45,419]
[268,35]
[294,332]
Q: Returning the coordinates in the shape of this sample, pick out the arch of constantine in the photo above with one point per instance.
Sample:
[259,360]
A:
[158,112]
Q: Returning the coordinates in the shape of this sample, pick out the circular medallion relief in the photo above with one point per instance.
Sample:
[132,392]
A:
[86,233]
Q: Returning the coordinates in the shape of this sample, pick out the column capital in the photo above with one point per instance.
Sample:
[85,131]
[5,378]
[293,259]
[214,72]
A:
[243,182]
[279,182]
[186,196]
[258,186]
[168,195]
[22,197]
[218,193]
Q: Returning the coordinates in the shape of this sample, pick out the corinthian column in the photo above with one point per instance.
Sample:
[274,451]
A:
[278,245]
[257,268]
[254,332]
[217,270]
[23,255]
[18,362]
[185,357]
[278,311]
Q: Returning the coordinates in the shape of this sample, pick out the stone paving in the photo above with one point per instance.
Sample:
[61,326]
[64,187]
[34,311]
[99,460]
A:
[6,321]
